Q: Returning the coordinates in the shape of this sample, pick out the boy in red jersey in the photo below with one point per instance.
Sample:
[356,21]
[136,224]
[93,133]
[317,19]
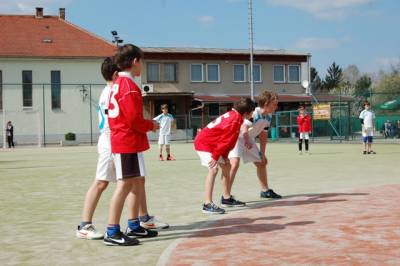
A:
[304,123]
[213,144]
[128,141]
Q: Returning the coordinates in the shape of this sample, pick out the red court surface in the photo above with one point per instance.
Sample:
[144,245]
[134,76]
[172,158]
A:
[358,227]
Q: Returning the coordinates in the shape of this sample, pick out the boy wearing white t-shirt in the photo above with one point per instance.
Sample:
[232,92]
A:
[367,118]
[166,121]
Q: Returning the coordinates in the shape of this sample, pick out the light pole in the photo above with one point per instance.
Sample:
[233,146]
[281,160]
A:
[117,40]
[251,39]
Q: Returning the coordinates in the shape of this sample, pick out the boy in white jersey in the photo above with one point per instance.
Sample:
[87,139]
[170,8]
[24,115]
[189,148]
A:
[105,172]
[166,121]
[246,148]
[367,127]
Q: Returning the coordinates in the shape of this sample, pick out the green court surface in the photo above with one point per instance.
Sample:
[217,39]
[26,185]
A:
[42,192]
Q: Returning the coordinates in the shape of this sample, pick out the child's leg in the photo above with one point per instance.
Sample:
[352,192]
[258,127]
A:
[226,180]
[262,175]
[306,139]
[235,162]
[92,198]
[209,184]
[168,149]
[122,190]
[300,143]
[143,201]
[160,148]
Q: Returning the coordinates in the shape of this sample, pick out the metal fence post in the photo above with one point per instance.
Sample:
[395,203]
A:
[44,116]
[90,111]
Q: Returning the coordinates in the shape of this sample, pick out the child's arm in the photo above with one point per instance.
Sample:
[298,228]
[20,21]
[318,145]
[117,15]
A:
[263,136]
[244,128]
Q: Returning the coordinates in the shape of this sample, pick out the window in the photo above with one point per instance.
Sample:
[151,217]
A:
[256,73]
[27,89]
[196,72]
[279,73]
[212,73]
[153,72]
[55,89]
[170,73]
[213,109]
[294,73]
[1,90]
[239,73]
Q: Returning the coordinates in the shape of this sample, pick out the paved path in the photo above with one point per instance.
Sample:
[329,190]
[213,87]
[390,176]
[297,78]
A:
[359,227]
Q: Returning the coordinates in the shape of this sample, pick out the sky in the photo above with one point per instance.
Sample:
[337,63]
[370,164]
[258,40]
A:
[360,32]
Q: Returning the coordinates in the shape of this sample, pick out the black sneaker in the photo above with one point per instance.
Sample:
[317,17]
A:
[141,232]
[270,194]
[211,208]
[371,152]
[231,202]
[364,152]
[119,239]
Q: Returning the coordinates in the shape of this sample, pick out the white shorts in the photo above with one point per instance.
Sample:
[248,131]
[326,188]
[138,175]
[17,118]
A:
[129,165]
[304,135]
[105,166]
[205,158]
[164,139]
[367,131]
[247,155]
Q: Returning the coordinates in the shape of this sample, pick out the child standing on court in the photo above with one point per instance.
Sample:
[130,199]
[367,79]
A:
[128,142]
[246,148]
[213,144]
[166,121]
[304,124]
[367,127]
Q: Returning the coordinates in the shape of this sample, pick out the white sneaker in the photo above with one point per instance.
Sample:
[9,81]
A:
[308,153]
[153,223]
[300,153]
[88,232]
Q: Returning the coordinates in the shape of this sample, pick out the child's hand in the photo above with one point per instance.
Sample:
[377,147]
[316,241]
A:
[264,159]
[247,142]
[212,164]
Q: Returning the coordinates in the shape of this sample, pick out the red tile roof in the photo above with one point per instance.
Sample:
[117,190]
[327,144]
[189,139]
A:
[50,37]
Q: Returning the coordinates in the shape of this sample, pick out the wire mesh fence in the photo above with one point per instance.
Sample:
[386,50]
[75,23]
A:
[42,114]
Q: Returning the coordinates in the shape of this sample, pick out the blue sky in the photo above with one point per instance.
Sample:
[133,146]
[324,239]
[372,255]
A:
[361,32]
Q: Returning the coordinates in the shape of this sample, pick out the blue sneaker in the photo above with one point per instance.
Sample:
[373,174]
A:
[211,208]
[270,194]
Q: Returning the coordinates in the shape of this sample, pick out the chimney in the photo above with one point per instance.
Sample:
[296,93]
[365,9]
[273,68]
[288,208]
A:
[62,13]
[39,12]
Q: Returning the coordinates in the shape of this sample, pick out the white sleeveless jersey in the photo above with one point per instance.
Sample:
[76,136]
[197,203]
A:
[259,123]
[104,128]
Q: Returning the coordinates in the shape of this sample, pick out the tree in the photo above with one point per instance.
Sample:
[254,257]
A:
[351,74]
[316,83]
[362,87]
[334,77]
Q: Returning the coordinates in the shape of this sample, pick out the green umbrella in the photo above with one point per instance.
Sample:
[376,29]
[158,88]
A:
[391,105]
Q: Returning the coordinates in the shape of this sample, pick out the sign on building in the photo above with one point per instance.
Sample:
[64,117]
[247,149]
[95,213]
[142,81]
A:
[322,111]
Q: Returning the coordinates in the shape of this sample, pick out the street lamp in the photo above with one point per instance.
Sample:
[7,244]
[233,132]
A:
[117,40]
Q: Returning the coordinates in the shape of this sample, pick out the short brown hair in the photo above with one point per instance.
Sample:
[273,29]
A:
[108,68]
[366,103]
[244,105]
[164,106]
[266,97]
[126,54]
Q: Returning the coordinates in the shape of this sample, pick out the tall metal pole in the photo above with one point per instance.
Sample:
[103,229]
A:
[251,48]
[4,115]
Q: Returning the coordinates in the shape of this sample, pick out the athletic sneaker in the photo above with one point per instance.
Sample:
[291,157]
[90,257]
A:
[88,232]
[371,152]
[364,152]
[300,153]
[153,223]
[231,202]
[141,232]
[211,208]
[161,158]
[270,194]
[170,158]
[119,239]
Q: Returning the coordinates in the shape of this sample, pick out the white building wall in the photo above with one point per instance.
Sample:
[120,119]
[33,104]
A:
[74,115]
